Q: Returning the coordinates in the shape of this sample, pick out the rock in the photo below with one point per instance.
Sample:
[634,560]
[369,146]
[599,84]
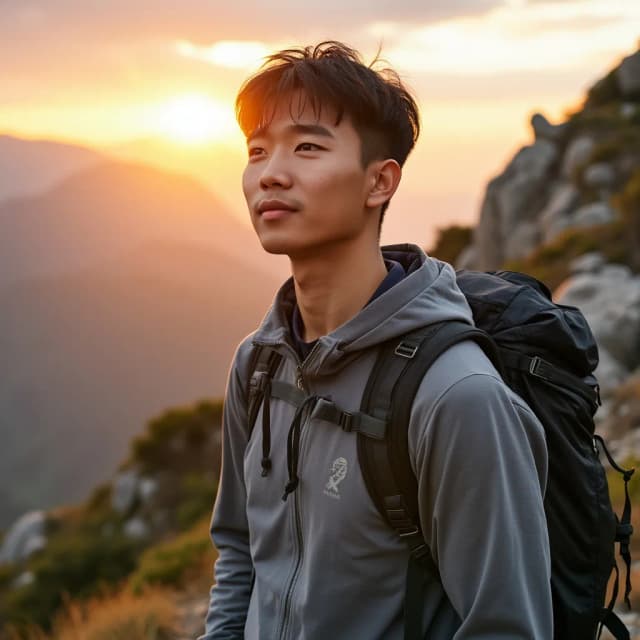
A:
[554,217]
[147,488]
[522,241]
[600,175]
[610,301]
[26,536]
[628,76]
[136,528]
[609,372]
[544,130]
[535,159]
[512,198]
[587,263]
[23,580]
[577,154]
[124,491]
[592,214]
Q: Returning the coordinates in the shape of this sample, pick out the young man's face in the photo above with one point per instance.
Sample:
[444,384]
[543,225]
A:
[304,182]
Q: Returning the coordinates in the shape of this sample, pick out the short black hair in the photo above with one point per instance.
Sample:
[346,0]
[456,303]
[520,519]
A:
[382,110]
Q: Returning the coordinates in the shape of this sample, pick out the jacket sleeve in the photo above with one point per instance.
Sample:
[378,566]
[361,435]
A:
[231,592]
[481,463]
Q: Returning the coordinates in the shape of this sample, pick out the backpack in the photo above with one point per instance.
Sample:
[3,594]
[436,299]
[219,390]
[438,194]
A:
[547,354]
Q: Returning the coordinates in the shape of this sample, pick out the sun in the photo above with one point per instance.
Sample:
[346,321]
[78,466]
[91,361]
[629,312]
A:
[194,119]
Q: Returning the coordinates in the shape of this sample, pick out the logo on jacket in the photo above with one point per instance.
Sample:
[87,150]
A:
[338,474]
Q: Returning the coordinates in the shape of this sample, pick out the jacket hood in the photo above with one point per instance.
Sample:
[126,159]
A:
[427,295]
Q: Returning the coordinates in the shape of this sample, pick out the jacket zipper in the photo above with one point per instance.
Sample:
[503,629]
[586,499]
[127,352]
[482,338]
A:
[283,627]
[297,519]
[286,615]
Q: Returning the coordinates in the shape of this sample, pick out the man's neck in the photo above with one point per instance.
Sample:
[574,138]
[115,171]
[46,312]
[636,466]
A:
[332,288]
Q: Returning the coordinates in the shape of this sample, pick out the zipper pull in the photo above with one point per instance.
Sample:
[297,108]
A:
[299,379]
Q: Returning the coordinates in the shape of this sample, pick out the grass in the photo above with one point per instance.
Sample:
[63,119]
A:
[151,615]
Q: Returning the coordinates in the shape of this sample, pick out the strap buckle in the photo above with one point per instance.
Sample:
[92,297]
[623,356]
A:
[346,421]
[411,532]
[534,365]
[406,350]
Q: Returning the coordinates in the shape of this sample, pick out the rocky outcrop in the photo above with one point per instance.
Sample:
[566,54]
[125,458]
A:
[628,76]
[609,297]
[26,536]
[512,200]
[130,488]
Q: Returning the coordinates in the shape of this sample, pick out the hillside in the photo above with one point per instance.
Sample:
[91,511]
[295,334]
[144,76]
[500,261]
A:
[30,166]
[123,289]
[113,207]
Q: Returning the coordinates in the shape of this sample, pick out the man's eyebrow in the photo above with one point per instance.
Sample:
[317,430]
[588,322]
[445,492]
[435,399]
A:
[297,128]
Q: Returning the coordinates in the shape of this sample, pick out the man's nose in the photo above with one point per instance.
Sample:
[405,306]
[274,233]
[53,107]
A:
[275,172]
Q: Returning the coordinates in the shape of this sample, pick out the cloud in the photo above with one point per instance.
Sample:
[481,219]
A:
[515,38]
[234,54]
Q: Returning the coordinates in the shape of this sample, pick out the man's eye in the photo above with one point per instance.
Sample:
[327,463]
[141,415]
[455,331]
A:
[254,152]
[308,146]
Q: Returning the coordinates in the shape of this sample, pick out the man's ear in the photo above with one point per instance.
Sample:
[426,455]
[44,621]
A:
[384,180]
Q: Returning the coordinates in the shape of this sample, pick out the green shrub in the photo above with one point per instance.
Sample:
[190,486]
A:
[77,563]
[199,491]
[450,243]
[167,563]
[550,263]
[177,438]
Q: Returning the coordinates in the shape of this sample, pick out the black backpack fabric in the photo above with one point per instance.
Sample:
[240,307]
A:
[547,354]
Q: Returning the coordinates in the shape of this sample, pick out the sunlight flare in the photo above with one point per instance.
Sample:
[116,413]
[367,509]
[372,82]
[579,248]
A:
[194,119]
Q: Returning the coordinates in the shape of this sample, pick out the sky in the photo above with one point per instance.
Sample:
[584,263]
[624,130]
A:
[105,74]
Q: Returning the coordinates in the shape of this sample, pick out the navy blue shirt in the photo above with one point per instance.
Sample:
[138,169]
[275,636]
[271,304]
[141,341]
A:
[395,273]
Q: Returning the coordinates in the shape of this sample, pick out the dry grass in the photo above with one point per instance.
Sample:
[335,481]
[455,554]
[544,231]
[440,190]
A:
[123,616]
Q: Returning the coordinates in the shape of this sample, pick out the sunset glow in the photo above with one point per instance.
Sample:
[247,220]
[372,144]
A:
[195,119]
[160,84]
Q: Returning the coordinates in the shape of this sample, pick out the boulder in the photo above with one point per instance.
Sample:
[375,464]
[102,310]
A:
[610,301]
[592,214]
[26,536]
[535,160]
[600,175]
[524,239]
[23,580]
[136,528]
[628,76]
[124,491]
[544,130]
[590,262]
[554,217]
[577,154]
[147,488]
[609,372]
[512,198]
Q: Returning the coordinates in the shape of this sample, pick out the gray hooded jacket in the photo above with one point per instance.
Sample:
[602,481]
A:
[323,564]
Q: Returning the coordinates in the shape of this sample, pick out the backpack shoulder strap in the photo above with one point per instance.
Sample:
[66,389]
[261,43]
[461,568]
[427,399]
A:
[264,362]
[399,369]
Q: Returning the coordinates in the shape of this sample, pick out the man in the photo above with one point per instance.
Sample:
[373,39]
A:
[303,552]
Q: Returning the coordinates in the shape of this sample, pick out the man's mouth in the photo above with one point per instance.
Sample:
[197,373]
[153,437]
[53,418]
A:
[274,209]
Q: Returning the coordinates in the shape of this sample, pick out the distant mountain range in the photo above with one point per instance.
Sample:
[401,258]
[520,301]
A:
[123,290]
[29,166]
